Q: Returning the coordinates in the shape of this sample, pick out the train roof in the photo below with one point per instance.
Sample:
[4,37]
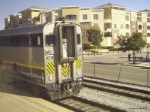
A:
[23,30]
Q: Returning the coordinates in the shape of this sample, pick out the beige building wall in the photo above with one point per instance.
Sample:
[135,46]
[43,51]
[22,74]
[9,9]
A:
[55,14]
[83,12]
[127,25]
[98,21]
[71,13]
[18,20]
[12,21]
[7,23]
[133,19]
[112,19]
[148,27]
[26,17]
[118,23]
[107,27]
[35,17]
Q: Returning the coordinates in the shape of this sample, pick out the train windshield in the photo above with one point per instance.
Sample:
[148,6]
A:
[50,40]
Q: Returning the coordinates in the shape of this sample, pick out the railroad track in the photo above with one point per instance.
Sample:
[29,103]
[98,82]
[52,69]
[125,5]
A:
[123,95]
[100,95]
[143,95]
[79,104]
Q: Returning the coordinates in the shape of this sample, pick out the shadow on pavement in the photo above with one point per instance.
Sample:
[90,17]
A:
[11,85]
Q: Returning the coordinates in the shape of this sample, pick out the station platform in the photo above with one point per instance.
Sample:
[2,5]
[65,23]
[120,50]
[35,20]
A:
[13,99]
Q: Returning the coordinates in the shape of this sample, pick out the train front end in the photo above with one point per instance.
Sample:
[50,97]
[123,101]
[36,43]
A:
[63,59]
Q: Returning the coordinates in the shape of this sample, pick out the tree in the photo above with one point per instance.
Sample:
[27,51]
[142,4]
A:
[134,42]
[95,35]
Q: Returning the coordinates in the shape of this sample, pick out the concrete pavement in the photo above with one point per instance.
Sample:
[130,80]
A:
[12,99]
[118,58]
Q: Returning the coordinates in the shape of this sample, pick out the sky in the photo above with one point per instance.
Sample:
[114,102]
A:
[9,7]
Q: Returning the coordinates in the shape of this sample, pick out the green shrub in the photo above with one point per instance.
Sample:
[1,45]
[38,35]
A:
[114,49]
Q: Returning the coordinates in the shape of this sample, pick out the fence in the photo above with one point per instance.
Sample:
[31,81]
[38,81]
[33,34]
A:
[100,52]
[124,73]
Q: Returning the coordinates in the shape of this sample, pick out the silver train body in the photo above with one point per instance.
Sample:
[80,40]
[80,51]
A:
[48,55]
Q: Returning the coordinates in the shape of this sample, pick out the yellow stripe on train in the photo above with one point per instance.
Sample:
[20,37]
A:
[78,63]
[65,70]
[50,68]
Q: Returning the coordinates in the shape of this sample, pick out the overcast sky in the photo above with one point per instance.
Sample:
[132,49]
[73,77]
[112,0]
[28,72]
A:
[8,7]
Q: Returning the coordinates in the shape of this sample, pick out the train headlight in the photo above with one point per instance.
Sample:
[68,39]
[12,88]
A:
[78,73]
[64,64]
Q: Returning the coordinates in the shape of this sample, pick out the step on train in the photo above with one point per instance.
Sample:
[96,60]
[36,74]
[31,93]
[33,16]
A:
[48,56]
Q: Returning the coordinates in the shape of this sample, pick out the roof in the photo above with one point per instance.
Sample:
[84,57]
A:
[23,30]
[109,5]
[145,10]
[35,8]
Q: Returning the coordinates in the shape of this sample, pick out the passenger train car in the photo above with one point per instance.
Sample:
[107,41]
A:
[48,55]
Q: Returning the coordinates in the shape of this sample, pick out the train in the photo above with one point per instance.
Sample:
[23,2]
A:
[49,56]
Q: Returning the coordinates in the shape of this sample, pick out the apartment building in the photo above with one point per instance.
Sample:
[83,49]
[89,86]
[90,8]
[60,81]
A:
[112,19]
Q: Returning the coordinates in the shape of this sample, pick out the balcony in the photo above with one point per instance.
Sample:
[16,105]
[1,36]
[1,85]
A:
[107,20]
[107,30]
[148,30]
[148,23]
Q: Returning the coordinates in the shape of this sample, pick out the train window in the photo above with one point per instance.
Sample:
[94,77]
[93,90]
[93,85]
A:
[24,40]
[19,40]
[15,41]
[36,40]
[5,41]
[78,39]
[50,40]
[39,41]
[1,41]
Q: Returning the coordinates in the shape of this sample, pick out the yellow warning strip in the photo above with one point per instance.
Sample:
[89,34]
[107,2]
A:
[30,103]
[24,65]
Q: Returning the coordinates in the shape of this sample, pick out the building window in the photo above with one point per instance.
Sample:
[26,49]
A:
[121,26]
[95,16]
[85,25]
[114,17]
[115,35]
[71,17]
[121,17]
[140,27]
[84,16]
[115,26]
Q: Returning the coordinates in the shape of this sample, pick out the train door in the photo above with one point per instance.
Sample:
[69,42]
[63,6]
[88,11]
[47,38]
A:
[66,51]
